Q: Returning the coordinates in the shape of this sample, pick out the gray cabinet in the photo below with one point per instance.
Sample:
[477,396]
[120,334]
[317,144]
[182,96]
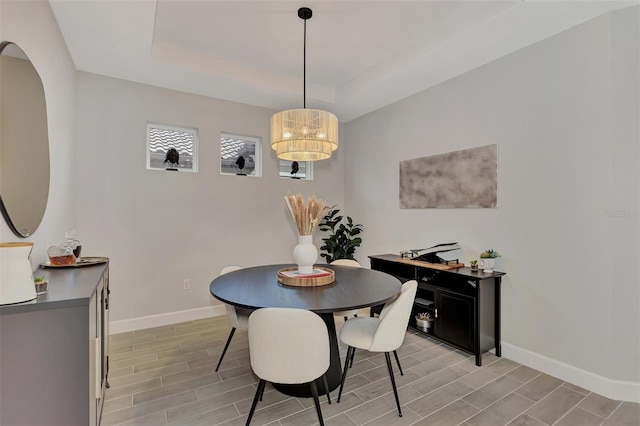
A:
[54,351]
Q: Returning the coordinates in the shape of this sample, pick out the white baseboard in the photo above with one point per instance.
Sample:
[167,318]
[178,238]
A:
[612,389]
[158,320]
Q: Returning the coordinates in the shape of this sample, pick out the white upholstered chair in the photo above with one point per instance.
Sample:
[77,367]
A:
[355,264]
[237,317]
[383,334]
[288,346]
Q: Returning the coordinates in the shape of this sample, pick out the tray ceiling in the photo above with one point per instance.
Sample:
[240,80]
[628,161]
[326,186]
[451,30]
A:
[361,55]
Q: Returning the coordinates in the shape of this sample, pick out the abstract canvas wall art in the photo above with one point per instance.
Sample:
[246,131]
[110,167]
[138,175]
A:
[458,179]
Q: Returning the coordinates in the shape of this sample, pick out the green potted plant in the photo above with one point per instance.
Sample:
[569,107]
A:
[343,237]
[488,260]
[42,285]
[474,265]
[489,254]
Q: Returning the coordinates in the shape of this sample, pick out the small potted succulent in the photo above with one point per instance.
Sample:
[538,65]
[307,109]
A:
[489,254]
[474,265]
[42,285]
[424,321]
[488,261]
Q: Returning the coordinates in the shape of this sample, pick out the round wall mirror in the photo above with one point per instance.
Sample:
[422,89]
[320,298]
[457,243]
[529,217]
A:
[24,142]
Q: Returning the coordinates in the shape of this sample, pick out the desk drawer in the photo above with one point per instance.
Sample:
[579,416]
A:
[442,279]
[403,272]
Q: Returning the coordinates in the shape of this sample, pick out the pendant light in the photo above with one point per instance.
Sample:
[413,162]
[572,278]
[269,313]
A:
[304,134]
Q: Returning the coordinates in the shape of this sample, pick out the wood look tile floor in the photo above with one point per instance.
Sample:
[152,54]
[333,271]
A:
[165,375]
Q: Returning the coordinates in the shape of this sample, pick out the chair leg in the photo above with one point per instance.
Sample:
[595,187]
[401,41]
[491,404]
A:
[255,399]
[326,387]
[345,318]
[314,392]
[224,351]
[393,381]
[395,353]
[352,356]
[375,310]
[346,367]
[262,393]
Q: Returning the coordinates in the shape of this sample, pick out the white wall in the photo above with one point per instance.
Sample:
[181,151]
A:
[32,26]
[160,227]
[564,113]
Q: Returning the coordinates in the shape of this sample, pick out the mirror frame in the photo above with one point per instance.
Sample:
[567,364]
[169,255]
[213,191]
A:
[5,212]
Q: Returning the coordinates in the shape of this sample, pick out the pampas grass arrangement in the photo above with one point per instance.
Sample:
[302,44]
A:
[306,216]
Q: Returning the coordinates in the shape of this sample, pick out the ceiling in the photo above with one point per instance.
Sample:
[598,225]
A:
[361,55]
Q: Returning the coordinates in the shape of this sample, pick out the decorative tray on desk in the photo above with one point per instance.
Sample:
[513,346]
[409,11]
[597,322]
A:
[320,276]
[83,261]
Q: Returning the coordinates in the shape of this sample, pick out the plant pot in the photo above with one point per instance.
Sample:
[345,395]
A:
[487,264]
[424,325]
[42,286]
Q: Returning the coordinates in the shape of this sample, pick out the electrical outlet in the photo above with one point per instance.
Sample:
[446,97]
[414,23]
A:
[186,284]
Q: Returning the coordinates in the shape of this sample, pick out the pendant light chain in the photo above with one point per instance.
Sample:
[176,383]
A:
[304,67]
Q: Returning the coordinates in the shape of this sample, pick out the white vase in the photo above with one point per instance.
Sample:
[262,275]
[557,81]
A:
[16,277]
[487,265]
[305,254]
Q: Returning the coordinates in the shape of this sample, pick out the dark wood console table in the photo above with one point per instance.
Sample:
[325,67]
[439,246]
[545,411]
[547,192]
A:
[465,304]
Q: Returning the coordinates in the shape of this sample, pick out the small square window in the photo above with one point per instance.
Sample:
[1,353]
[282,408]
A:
[240,155]
[172,148]
[295,169]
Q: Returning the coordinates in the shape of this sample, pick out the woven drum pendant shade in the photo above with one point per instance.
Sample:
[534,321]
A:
[304,134]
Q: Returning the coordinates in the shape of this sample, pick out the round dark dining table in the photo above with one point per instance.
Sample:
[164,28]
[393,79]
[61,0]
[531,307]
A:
[353,288]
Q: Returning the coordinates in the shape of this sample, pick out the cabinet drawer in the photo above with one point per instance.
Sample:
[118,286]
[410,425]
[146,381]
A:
[402,271]
[459,284]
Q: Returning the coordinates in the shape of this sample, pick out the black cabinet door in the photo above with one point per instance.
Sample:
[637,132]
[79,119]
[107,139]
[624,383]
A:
[455,319]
